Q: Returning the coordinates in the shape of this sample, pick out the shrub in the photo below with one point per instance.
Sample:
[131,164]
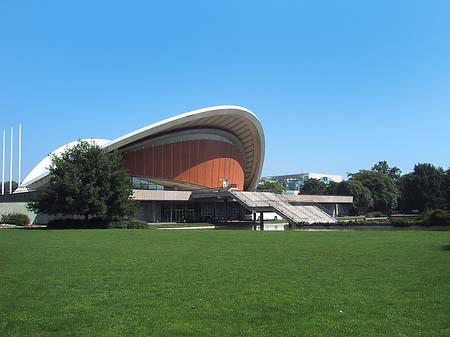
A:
[402,222]
[18,219]
[436,217]
[94,223]
[130,224]
[375,214]
[364,223]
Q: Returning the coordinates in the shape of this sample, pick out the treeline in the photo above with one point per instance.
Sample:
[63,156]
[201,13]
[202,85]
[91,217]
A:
[384,188]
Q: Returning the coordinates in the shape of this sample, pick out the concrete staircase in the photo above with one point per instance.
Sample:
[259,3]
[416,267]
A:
[278,203]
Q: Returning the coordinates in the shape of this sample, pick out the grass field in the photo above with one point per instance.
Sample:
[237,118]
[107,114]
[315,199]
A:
[224,283]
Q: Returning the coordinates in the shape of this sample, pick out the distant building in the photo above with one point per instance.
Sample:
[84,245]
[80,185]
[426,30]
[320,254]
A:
[294,182]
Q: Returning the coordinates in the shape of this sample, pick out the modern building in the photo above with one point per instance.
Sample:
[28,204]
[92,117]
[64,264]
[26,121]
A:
[294,182]
[197,166]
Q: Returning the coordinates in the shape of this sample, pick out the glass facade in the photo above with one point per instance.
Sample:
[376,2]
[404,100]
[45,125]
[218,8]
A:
[203,212]
[141,184]
[221,211]
[179,212]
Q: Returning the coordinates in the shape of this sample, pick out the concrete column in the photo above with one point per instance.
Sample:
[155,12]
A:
[225,211]
[261,221]
[153,211]
[158,211]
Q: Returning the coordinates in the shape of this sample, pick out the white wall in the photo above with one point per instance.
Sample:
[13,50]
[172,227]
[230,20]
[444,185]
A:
[16,207]
[269,216]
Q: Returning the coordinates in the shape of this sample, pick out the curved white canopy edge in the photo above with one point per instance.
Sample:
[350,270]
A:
[41,170]
[235,119]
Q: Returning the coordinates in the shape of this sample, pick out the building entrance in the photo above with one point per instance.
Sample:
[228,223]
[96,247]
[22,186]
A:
[182,215]
[171,213]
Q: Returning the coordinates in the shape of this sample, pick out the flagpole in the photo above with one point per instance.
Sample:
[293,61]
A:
[3,162]
[11,164]
[20,154]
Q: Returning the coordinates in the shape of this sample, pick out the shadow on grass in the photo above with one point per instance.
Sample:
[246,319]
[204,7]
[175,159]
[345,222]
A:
[445,247]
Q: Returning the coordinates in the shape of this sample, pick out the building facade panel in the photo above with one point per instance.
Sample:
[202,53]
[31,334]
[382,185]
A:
[215,149]
[176,162]
[167,161]
[184,174]
[209,167]
[198,162]
[193,171]
[140,167]
[157,155]
[202,164]
[149,163]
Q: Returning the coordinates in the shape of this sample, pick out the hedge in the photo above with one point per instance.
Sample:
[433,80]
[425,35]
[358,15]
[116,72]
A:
[130,224]
[18,219]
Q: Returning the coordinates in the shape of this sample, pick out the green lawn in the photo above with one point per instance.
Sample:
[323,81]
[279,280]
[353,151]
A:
[224,283]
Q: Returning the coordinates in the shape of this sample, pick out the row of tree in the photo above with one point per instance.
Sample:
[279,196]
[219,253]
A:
[384,188]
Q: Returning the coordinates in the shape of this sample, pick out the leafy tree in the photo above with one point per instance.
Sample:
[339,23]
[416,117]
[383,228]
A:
[362,197]
[383,167]
[314,187]
[271,186]
[436,217]
[332,188]
[382,187]
[14,186]
[424,188]
[86,180]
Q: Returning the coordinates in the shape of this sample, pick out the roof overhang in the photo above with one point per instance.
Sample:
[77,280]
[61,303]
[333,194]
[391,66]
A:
[240,122]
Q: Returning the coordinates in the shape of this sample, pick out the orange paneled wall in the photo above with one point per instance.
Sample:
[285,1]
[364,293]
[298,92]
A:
[199,162]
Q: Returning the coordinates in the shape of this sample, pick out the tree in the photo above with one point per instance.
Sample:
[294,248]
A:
[382,187]
[86,180]
[314,187]
[362,197]
[270,186]
[424,188]
[14,186]
[332,188]
[383,167]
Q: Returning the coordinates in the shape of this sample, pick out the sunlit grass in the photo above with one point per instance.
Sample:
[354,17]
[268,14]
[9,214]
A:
[224,283]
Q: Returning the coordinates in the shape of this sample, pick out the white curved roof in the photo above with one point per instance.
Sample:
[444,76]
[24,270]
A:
[41,170]
[237,120]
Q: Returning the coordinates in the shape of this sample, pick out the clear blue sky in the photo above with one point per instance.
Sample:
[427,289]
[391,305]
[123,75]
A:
[338,85]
